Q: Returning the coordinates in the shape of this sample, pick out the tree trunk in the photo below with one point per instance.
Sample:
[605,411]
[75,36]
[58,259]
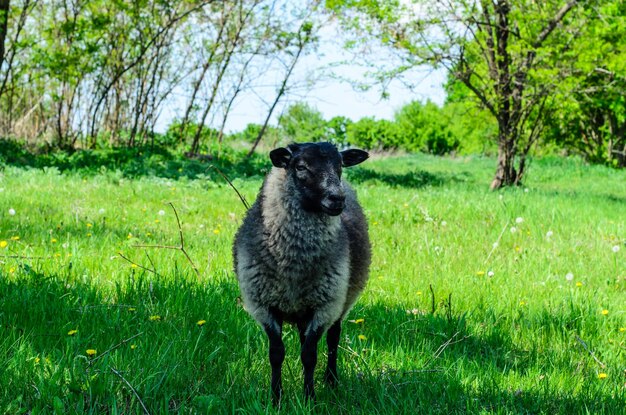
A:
[4,22]
[506,175]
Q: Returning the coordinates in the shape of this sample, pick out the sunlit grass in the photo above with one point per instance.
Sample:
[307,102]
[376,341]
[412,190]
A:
[527,286]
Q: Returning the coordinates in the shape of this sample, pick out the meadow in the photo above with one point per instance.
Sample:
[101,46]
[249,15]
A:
[478,302]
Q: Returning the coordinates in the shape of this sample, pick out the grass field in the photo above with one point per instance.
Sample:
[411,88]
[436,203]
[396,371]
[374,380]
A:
[478,302]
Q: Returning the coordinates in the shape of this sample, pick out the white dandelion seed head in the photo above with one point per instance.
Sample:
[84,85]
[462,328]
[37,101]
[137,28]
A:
[101,211]
[491,274]
[513,229]
[519,220]
[500,197]
[495,244]
[616,249]
[444,223]
[569,276]
[549,234]
[12,212]
[161,212]
[526,190]
[66,245]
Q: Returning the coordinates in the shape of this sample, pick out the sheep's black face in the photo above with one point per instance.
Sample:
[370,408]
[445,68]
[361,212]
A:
[316,170]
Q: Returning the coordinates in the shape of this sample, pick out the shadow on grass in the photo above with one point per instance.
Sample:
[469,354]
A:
[443,366]
[410,363]
[413,179]
[136,162]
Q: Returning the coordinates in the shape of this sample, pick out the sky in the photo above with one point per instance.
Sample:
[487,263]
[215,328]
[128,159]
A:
[331,96]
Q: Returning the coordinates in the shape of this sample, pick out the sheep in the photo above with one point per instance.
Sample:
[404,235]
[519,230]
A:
[302,254]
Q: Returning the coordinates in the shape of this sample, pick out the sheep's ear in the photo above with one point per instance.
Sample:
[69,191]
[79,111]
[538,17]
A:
[353,157]
[280,157]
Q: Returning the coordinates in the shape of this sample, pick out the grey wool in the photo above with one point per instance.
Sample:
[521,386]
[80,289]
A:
[302,253]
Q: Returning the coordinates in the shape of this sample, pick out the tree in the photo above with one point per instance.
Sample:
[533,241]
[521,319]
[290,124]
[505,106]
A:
[426,127]
[302,123]
[589,114]
[492,47]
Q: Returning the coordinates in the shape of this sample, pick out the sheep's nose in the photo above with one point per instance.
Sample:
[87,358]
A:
[334,203]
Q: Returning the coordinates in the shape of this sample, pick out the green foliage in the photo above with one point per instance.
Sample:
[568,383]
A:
[338,129]
[589,112]
[135,162]
[426,128]
[505,342]
[370,133]
[302,123]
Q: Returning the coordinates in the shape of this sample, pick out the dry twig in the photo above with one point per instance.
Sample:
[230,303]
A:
[145,410]
[241,197]
[582,342]
[178,248]
[110,349]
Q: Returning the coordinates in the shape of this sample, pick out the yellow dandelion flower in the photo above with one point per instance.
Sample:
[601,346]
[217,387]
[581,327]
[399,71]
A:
[15,238]
[374,223]
[359,321]
[133,346]
[134,266]
[37,360]
[3,244]
[130,235]
[11,270]
[89,225]
[419,293]
[622,329]
[480,273]
[605,312]
[57,255]
[156,221]
[406,205]
[517,249]
[132,309]
[362,337]
[216,231]
[521,303]
[579,284]
[201,323]
[148,234]
[89,234]
[155,318]
[91,352]
[72,332]
[602,375]
[54,240]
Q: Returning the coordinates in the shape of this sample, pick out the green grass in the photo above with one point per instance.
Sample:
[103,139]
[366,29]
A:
[506,343]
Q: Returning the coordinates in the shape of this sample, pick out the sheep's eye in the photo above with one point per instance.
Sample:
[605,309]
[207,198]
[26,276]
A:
[301,167]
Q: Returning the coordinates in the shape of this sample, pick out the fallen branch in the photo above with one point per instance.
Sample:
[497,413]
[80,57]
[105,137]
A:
[110,349]
[241,197]
[139,265]
[582,342]
[145,410]
[178,248]
[497,243]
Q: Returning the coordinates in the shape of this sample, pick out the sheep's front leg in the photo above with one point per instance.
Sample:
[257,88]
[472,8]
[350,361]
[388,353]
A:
[308,355]
[273,329]
[332,340]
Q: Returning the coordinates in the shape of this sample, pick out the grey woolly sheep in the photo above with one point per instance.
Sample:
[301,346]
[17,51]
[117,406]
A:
[302,254]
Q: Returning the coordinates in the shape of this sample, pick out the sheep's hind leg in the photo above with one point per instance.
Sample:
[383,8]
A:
[308,356]
[273,329]
[332,340]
